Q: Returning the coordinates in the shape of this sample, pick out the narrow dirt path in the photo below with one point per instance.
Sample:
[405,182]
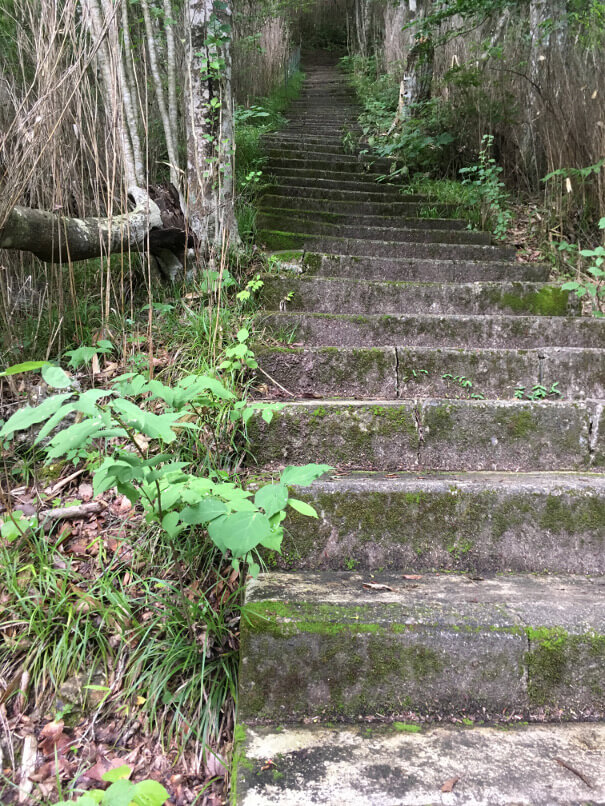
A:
[455,573]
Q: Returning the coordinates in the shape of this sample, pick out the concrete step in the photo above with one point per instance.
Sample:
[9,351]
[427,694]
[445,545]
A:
[328,162]
[400,233]
[288,155]
[432,330]
[361,180]
[473,522]
[391,765]
[409,269]
[313,189]
[347,210]
[320,646]
[326,216]
[411,372]
[435,249]
[338,295]
[435,434]
[299,142]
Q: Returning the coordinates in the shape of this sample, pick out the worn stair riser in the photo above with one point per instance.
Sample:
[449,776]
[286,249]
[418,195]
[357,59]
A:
[435,435]
[477,523]
[416,269]
[351,297]
[425,330]
[329,163]
[364,220]
[435,646]
[389,373]
[275,240]
[397,234]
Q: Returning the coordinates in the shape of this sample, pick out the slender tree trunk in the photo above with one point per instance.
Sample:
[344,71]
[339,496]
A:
[210,122]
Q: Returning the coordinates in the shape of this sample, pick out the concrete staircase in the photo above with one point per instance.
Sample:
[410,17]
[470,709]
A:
[437,636]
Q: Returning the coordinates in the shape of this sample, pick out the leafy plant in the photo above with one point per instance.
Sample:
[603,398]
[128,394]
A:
[122,792]
[537,392]
[591,282]
[485,177]
[133,422]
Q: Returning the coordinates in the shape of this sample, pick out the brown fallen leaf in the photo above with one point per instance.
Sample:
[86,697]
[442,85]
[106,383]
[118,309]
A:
[377,586]
[449,785]
[412,576]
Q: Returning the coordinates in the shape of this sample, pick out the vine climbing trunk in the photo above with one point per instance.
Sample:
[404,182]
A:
[210,122]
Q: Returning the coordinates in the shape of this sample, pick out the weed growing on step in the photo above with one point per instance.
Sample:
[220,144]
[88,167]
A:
[538,392]
[590,281]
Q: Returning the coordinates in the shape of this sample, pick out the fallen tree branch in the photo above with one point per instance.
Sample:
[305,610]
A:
[50,516]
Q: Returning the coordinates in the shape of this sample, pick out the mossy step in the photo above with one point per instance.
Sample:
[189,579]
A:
[297,141]
[474,522]
[369,247]
[409,269]
[410,372]
[434,330]
[365,180]
[408,764]
[434,434]
[287,155]
[322,646]
[327,216]
[354,210]
[329,162]
[384,192]
[401,233]
[339,295]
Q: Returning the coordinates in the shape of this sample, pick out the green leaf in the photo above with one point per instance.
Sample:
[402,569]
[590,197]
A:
[203,512]
[117,774]
[56,377]
[240,532]
[26,366]
[243,334]
[31,415]
[170,523]
[302,507]
[303,476]
[119,794]
[274,540]
[272,498]
[149,793]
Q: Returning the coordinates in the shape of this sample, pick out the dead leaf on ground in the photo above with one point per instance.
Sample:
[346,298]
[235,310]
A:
[449,785]
[85,492]
[377,586]
[412,576]
[101,766]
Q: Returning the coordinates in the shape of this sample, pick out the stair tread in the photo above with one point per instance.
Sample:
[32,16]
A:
[345,765]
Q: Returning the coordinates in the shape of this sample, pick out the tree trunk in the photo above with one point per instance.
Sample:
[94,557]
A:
[210,122]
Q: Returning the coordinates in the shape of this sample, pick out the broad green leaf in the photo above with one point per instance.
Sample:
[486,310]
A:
[274,540]
[117,774]
[304,475]
[119,794]
[77,436]
[253,569]
[26,366]
[87,403]
[243,334]
[149,793]
[31,415]
[302,507]
[240,532]
[271,498]
[56,377]
[54,421]
[203,512]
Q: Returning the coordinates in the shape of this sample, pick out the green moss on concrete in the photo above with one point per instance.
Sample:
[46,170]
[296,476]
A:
[275,240]
[548,301]
[561,665]
[406,727]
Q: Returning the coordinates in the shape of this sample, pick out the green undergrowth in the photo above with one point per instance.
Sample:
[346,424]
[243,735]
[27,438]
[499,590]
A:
[141,609]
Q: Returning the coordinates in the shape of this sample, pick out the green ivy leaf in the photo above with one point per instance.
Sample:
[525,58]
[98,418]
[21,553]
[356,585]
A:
[203,512]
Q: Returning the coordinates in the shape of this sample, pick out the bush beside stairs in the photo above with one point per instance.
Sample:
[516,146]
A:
[437,635]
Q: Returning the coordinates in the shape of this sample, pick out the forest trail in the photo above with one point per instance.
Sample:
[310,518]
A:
[437,635]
